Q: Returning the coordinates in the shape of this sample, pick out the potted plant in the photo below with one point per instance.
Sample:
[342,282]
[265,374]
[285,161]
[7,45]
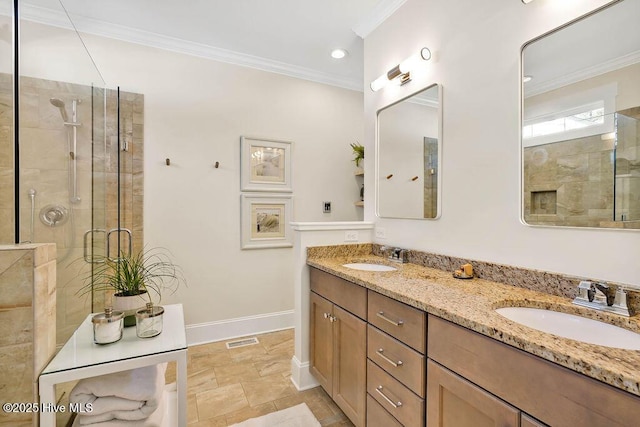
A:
[358,151]
[133,278]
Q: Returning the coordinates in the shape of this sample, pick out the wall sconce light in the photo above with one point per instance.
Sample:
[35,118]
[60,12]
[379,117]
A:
[402,71]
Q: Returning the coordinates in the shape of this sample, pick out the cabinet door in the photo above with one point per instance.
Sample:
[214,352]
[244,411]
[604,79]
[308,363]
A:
[350,369]
[453,401]
[527,421]
[321,341]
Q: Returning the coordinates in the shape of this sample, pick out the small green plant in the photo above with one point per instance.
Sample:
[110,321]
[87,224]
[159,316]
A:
[358,151]
[149,271]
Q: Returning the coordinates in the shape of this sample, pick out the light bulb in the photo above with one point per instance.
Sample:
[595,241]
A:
[379,83]
[338,53]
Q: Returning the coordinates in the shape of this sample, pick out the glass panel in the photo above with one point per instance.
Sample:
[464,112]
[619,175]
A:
[627,167]
[7,171]
[62,152]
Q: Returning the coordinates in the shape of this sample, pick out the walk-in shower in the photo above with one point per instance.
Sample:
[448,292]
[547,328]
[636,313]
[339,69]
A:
[63,174]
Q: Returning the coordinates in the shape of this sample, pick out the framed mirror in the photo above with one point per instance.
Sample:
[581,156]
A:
[409,146]
[581,122]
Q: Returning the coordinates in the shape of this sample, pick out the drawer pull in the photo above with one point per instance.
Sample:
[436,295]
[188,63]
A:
[395,364]
[391,402]
[381,315]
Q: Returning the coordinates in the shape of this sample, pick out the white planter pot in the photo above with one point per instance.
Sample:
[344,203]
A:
[129,305]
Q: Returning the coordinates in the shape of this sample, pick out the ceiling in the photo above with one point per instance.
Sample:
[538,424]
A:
[293,37]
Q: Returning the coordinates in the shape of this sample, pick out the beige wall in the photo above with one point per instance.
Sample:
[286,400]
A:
[476,57]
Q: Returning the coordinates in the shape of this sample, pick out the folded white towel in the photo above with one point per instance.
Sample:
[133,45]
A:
[154,420]
[128,395]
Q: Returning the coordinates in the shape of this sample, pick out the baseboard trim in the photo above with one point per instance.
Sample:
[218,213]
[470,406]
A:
[301,375]
[203,333]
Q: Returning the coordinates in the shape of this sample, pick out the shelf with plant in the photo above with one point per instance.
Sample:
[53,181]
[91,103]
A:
[358,152]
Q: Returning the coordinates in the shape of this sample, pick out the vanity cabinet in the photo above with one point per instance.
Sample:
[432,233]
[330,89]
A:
[455,402]
[473,377]
[396,375]
[338,339]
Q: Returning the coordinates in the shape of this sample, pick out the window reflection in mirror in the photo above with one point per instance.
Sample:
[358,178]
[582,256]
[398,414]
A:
[408,156]
[581,122]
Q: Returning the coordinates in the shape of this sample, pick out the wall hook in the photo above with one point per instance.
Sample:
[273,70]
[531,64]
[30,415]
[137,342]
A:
[414,178]
[389,176]
[168,161]
[216,165]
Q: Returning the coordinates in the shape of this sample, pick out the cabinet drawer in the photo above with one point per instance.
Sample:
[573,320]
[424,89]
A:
[399,360]
[347,295]
[377,416]
[398,400]
[399,320]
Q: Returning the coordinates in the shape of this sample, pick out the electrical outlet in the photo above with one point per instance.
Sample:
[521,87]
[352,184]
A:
[326,207]
[351,236]
[381,233]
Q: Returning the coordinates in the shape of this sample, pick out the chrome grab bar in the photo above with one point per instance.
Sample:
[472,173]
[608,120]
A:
[391,402]
[118,230]
[380,353]
[381,315]
[85,250]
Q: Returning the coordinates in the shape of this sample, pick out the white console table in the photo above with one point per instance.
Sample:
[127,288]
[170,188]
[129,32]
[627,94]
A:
[81,358]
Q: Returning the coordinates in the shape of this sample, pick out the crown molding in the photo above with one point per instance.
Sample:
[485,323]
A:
[383,10]
[586,73]
[127,34]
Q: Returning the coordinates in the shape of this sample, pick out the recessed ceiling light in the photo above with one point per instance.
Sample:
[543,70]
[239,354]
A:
[527,79]
[338,53]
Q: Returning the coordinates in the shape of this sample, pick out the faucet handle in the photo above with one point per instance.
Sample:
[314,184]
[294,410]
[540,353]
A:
[620,298]
[586,290]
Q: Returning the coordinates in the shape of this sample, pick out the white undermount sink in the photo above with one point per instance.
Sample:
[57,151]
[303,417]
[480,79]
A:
[573,327]
[365,266]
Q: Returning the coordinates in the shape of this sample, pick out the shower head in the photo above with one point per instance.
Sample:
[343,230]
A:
[57,102]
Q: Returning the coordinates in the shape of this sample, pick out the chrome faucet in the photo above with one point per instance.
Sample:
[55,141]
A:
[394,254]
[599,296]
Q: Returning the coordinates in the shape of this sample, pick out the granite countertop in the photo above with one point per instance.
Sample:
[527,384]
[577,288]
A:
[472,304]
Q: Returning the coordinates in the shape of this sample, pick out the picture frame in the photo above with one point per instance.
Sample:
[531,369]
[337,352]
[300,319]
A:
[265,165]
[265,221]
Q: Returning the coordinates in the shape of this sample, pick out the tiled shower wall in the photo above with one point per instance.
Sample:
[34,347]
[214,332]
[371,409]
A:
[6,159]
[27,315]
[572,182]
[44,167]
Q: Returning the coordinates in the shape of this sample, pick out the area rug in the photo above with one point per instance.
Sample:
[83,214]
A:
[296,416]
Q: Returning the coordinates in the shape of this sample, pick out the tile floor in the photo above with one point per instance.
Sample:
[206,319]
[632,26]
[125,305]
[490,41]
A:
[225,387]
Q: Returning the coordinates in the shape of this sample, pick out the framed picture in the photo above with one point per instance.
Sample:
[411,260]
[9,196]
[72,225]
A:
[265,165]
[265,221]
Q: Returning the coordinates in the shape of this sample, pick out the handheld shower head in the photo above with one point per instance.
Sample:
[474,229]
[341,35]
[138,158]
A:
[57,102]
